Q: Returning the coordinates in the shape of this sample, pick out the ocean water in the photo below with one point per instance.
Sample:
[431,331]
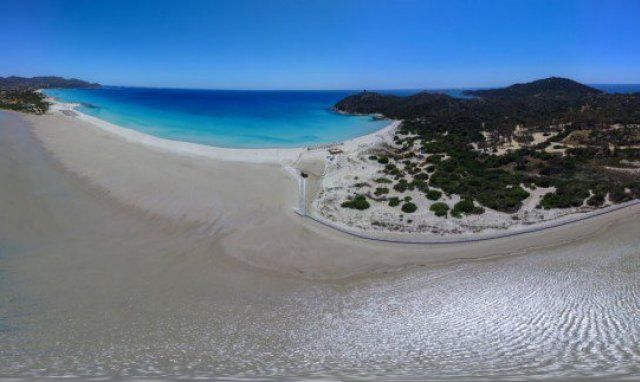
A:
[242,119]
[617,88]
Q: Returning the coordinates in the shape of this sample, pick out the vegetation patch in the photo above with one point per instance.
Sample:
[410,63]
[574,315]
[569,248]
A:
[394,201]
[383,160]
[433,194]
[487,149]
[409,207]
[567,195]
[381,191]
[466,206]
[439,209]
[402,185]
[359,202]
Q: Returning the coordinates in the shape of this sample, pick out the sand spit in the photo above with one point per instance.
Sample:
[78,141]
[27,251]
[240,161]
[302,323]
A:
[251,204]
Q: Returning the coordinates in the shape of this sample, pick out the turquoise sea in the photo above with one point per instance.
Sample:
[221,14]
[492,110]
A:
[247,119]
[230,118]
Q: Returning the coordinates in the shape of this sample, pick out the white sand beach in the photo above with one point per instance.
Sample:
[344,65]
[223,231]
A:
[248,197]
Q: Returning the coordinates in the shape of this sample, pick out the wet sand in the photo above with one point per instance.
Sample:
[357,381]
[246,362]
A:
[107,269]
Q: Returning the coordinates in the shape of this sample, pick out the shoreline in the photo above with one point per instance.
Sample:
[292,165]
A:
[283,156]
[296,160]
[251,206]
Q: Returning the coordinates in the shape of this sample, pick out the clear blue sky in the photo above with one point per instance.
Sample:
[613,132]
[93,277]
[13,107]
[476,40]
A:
[297,44]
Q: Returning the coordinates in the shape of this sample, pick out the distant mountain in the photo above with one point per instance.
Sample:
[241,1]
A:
[553,86]
[33,83]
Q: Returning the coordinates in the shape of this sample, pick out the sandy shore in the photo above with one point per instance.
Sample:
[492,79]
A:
[251,204]
[283,156]
[110,275]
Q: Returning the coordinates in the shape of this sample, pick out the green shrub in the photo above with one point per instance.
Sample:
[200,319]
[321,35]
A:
[383,180]
[394,201]
[381,191]
[383,160]
[440,209]
[359,202]
[434,159]
[420,184]
[401,186]
[409,207]
[373,157]
[466,206]
[434,194]
[566,195]
[618,194]
[421,176]
[596,200]
[503,199]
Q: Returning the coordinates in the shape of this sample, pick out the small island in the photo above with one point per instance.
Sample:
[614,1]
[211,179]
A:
[499,159]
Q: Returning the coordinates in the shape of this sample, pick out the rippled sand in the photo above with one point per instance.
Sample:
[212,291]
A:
[91,287]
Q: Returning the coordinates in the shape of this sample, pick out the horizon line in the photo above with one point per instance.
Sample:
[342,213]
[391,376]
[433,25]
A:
[344,89]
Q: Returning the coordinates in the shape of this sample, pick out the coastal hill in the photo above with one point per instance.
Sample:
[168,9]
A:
[553,86]
[543,102]
[19,93]
[392,105]
[544,146]
[45,82]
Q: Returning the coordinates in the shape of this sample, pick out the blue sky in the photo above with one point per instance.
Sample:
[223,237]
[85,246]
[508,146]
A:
[297,44]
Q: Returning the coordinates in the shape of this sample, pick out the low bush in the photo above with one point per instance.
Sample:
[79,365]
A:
[381,191]
[401,186]
[466,206]
[394,201]
[434,158]
[440,209]
[359,202]
[596,200]
[566,195]
[420,184]
[409,207]
[433,194]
